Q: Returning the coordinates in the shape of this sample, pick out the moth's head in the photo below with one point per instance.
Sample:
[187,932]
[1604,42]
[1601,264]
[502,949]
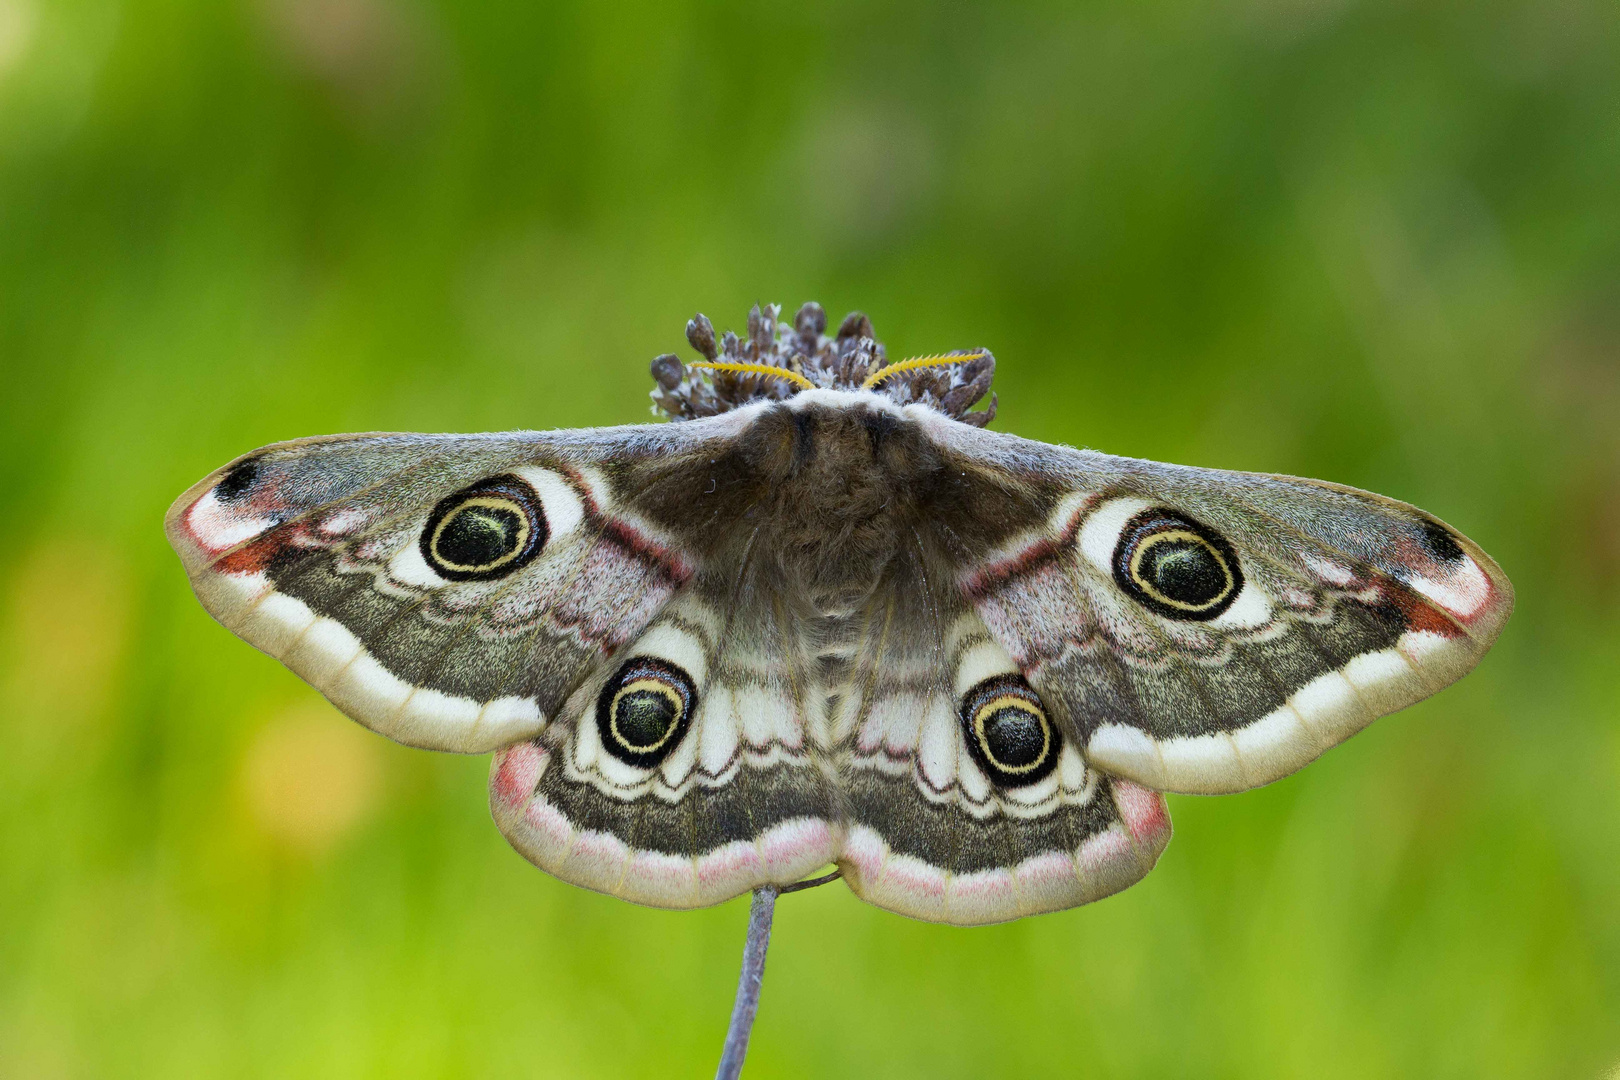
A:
[777,360]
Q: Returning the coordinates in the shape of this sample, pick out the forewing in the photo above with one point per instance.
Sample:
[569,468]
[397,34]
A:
[1343,606]
[356,560]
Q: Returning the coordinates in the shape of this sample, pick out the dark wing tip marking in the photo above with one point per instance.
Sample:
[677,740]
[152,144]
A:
[238,479]
[1441,544]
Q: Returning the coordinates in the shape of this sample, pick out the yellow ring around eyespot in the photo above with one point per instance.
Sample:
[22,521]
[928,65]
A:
[657,686]
[490,502]
[1179,535]
[1023,704]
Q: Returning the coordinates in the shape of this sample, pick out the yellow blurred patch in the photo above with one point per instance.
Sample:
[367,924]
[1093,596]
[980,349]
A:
[369,52]
[17,20]
[311,777]
[65,626]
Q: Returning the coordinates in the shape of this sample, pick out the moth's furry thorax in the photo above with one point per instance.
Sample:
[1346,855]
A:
[835,481]
[843,361]
[834,485]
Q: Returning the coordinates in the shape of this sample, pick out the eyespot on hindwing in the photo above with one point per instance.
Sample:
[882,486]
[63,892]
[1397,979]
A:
[1008,734]
[644,711]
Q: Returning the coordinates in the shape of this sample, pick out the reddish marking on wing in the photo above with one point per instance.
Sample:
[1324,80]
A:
[258,554]
[249,555]
[517,772]
[673,566]
[1142,809]
[576,480]
[1032,557]
[863,854]
[263,550]
[252,558]
[1447,574]
[1417,612]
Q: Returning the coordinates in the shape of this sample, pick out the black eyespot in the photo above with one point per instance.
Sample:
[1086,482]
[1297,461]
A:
[1007,731]
[1175,566]
[484,531]
[1441,544]
[235,483]
[644,710]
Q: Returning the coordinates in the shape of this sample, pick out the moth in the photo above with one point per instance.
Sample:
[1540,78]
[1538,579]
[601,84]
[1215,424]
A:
[824,615]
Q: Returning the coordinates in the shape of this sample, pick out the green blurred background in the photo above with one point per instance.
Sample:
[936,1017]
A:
[1377,242]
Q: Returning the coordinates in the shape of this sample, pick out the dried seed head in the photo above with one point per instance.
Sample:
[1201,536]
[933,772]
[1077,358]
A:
[667,370]
[843,362]
[856,325]
[700,333]
[811,321]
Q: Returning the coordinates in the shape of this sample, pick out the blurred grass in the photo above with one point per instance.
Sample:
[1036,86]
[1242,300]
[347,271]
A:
[1377,242]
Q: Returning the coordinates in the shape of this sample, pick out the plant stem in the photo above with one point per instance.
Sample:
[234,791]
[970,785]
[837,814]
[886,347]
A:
[746,1006]
[760,913]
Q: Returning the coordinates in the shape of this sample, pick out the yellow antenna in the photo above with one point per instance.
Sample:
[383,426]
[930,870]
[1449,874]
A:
[756,369]
[914,363]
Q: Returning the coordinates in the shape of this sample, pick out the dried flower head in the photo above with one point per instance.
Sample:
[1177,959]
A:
[775,360]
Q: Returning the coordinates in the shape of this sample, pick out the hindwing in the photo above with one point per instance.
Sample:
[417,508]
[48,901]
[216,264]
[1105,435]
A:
[813,740]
